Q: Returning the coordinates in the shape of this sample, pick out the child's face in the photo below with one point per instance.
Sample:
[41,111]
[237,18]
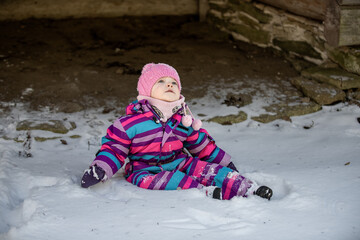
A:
[166,89]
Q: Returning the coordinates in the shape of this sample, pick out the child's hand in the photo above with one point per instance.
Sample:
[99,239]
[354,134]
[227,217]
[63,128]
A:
[232,167]
[92,176]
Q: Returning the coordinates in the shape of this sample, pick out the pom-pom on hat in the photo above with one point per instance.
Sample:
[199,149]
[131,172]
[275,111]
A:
[152,72]
[188,120]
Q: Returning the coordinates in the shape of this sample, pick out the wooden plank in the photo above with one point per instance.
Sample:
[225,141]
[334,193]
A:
[203,9]
[349,30]
[341,25]
[315,9]
[332,23]
[348,2]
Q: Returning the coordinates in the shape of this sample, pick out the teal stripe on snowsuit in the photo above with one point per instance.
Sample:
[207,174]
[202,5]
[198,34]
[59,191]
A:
[140,176]
[173,165]
[223,172]
[175,180]
[151,157]
[105,140]
[141,127]
[213,156]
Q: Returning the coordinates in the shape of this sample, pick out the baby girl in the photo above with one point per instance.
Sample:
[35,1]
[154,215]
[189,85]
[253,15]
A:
[166,147]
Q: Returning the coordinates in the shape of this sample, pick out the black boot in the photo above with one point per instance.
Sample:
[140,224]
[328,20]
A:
[264,192]
[213,192]
[217,193]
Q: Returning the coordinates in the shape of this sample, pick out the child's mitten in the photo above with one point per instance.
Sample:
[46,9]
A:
[232,167]
[92,176]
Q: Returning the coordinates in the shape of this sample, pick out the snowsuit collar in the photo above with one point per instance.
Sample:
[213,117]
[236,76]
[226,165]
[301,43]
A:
[144,106]
[164,109]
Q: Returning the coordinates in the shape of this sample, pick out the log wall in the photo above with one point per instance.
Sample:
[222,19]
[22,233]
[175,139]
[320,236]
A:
[23,9]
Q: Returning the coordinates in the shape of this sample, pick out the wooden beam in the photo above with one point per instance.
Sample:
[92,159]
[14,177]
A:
[348,2]
[315,9]
[18,10]
[203,9]
[332,23]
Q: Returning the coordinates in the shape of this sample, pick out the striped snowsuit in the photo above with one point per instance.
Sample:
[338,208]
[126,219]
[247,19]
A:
[157,159]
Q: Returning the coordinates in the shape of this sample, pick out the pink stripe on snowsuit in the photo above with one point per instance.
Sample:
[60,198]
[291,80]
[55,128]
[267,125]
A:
[130,120]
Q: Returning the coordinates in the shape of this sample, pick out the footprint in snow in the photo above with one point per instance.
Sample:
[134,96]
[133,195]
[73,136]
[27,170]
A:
[201,220]
[280,187]
[353,132]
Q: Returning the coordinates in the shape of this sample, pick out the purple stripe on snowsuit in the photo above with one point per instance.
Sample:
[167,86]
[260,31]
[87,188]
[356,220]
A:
[134,122]
[221,158]
[191,170]
[118,130]
[224,158]
[168,130]
[180,133]
[244,186]
[166,181]
[211,171]
[195,184]
[156,180]
[148,137]
[196,145]
[235,189]
[173,139]
[123,151]
[137,175]
[192,143]
[149,132]
[139,154]
[102,164]
[166,135]
[183,181]
[162,180]
[108,162]
[200,147]
[145,143]
[117,147]
[154,154]
[220,155]
[224,186]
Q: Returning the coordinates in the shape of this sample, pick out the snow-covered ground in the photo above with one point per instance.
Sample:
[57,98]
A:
[315,175]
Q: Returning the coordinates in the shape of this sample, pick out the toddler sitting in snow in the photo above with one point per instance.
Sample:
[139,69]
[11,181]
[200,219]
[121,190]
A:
[166,147]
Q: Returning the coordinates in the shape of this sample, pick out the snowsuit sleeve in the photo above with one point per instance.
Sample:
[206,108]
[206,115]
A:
[114,149]
[202,145]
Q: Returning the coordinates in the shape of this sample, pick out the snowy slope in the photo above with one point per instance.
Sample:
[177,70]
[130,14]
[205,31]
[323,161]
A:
[315,175]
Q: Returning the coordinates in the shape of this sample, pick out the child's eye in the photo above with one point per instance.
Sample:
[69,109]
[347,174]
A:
[174,83]
[161,81]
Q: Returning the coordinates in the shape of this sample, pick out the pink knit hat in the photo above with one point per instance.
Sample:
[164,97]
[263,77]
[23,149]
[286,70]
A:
[152,72]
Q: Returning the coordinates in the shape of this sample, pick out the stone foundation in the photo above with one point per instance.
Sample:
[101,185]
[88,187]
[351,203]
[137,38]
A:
[302,41]
[266,26]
